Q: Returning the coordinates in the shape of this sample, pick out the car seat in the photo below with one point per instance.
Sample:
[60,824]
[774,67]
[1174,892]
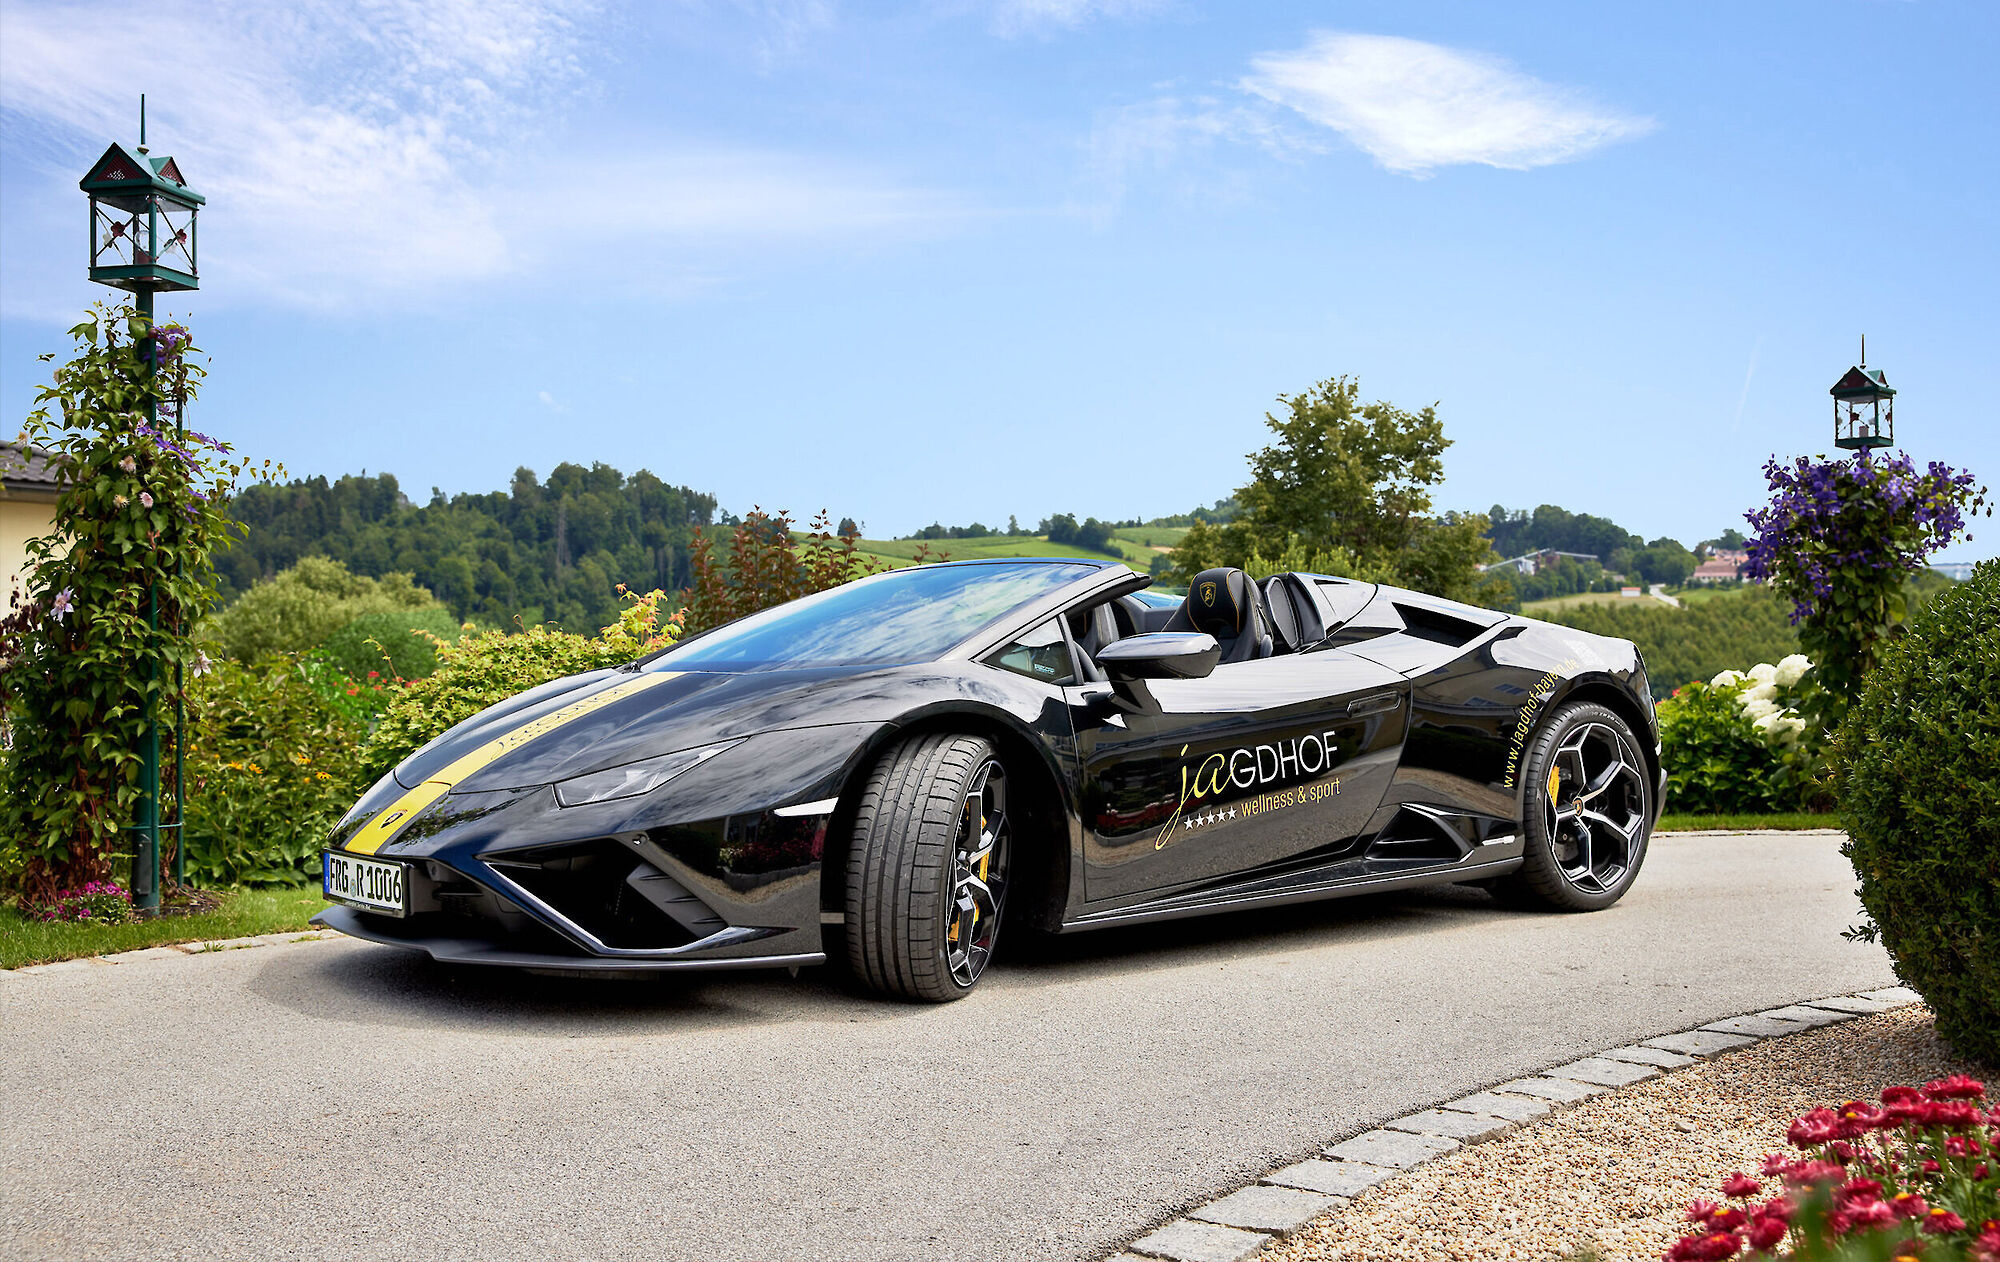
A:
[1226,604]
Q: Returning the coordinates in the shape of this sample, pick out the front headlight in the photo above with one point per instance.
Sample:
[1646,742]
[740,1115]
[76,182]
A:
[634,778]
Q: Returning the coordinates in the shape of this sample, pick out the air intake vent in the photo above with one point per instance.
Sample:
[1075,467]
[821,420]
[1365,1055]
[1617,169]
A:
[610,893]
[1419,834]
[1438,628]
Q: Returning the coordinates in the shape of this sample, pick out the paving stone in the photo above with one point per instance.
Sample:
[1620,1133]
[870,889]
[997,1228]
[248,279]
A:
[1335,1178]
[1898,995]
[1699,1042]
[1260,1208]
[1605,1073]
[1761,1027]
[1392,1148]
[1806,1015]
[1515,1108]
[1451,1124]
[1853,1003]
[1649,1056]
[1561,1090]
[1186,1241]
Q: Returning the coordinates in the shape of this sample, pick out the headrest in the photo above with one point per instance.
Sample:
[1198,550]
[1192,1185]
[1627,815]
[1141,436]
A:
[1218,602]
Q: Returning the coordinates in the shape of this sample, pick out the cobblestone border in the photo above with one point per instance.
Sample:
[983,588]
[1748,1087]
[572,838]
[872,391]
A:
[164,952]
[1236,1227]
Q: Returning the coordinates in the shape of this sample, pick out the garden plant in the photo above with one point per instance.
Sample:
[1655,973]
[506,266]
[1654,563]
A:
[1736,744]
[1918,778]
[87,657]
[1915,1176]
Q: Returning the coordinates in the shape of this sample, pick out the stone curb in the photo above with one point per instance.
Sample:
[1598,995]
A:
[1237,1226]
[168,951]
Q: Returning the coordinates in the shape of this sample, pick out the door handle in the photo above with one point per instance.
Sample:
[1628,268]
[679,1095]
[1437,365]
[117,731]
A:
[1376,704]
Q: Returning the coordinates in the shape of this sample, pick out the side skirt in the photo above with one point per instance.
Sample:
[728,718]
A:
[1175,907]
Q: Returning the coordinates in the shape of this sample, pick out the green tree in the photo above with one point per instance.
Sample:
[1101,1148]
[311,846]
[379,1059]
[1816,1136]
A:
[1346,487]
[304,605]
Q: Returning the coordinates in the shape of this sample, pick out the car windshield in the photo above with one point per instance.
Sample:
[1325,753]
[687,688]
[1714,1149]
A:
[905,616]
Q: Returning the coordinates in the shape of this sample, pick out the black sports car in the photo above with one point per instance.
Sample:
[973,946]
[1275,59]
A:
[888,772]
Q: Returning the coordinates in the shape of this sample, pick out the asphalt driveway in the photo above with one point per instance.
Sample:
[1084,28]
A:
[340,1100]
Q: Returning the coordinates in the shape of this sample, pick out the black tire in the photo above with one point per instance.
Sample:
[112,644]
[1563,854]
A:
[927,868]
[1587,812]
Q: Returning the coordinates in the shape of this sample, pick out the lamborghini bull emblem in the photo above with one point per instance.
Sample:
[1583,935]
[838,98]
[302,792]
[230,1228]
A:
[1208,593]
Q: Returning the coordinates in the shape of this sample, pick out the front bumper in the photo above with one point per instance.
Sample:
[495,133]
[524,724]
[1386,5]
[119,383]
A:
[479,950]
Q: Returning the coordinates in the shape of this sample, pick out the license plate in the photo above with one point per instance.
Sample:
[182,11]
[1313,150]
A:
[368,883]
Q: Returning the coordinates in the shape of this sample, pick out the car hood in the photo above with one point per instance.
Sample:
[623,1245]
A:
[585,723]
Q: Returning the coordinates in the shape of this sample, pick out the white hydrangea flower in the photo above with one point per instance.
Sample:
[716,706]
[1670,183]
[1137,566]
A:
[1759,709]
[1792,669]
[1763,672]
[1762,692]
[1727,679]
[1793,725]
[1767,726]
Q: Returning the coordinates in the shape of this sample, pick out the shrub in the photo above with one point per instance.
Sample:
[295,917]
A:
[1918,778]
[1911,1177]
[304,605]
[1737,744]
[396,645]
[488,667]
[272,764]
[766,567]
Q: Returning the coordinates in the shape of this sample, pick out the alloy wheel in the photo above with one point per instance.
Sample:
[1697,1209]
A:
[979,873]
[1596,806]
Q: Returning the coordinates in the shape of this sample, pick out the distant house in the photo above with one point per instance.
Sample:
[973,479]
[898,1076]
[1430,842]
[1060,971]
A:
[1724,565]
[27,509]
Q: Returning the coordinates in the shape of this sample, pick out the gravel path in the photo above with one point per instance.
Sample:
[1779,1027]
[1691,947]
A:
[1616,1173]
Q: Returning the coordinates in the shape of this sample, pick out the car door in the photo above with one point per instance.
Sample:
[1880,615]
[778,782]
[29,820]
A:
[1188,781]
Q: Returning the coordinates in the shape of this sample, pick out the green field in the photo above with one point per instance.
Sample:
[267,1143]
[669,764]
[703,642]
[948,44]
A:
[1153,536]
[243,914]
[1536,608]
[903,551]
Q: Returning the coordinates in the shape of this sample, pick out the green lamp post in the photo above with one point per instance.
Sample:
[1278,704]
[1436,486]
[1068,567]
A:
[1864,414]
[142,239]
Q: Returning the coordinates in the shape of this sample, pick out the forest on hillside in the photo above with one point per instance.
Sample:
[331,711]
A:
[551,551]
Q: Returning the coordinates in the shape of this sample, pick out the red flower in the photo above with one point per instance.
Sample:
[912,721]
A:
[1901,1095]
[1956,1087]
[1871,1214]
[1709,1248]
[1987,1247]
[374,674]
[1765,1233]
[1820,1126]
[1961,1146]
[1859,1116]
[1857,1192]
[1727,1219]
[1779,1208]
[1941,1220]
[1702,1211]
[1740,1184]
[1805,1172]
[1951,1114]
[1908,1205]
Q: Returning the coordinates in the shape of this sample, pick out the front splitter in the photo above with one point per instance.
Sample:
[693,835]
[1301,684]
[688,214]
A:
[481,951]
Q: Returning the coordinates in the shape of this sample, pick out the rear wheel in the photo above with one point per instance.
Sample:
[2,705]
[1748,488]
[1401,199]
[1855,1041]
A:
[927,871]
[1588,813]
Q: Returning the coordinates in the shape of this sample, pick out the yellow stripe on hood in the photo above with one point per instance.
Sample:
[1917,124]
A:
[395,817]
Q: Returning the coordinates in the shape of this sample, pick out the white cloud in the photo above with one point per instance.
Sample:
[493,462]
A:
[1150,138]
[1017,17]
[352,149]
[1414,106]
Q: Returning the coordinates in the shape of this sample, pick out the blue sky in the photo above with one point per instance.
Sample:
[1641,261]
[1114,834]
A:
[960,260]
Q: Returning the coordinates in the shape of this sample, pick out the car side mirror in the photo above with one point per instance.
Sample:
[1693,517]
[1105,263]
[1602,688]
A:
[1160,655]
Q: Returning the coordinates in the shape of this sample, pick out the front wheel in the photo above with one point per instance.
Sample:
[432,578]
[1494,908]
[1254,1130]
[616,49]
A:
[927,871]
[1588,813]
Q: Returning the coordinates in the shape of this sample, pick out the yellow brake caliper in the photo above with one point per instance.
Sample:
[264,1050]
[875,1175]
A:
[1555,782]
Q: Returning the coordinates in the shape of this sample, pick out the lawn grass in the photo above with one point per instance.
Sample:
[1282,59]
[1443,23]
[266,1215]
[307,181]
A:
[243,914]
[1689,823]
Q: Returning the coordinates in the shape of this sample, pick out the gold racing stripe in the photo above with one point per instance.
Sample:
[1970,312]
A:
[396,816]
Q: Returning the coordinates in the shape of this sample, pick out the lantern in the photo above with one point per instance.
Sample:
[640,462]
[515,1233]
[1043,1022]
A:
[142,223]
[1863,410]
